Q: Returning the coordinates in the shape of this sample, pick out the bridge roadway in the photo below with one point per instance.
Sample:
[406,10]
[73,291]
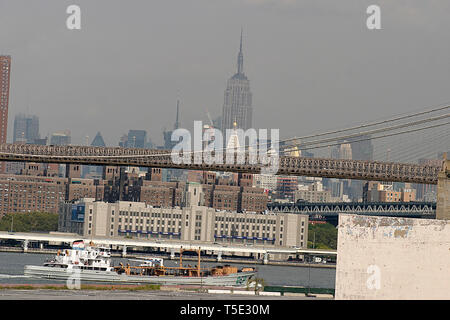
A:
[298,166]
[170,245]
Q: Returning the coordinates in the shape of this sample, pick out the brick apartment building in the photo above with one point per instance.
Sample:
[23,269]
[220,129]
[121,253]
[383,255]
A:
[235,194]
[30,193]
[38,189]
[5,76]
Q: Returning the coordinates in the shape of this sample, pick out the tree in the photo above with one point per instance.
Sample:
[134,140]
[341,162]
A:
[29,222]
[322,236]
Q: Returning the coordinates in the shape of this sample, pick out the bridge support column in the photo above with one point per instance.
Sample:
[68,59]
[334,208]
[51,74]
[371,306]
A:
[219,256]
[266,258]
[443,192]
[124,251]
[25,245]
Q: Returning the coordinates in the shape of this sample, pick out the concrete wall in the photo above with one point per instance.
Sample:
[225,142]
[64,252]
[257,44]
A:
[392,258]
[443,192]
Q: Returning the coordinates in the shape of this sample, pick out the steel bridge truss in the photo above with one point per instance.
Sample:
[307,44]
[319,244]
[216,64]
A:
[371,208]
[297,166]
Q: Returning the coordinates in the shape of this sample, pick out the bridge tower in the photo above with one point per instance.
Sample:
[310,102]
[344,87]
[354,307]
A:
[443,192]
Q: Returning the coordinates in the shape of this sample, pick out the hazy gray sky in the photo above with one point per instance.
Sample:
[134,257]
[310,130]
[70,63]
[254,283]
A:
[313,65]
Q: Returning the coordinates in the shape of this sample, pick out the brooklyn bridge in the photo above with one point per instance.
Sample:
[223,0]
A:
[287,165]
[417,126]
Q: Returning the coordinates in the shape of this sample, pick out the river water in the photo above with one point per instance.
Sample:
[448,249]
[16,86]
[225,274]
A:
[12,266]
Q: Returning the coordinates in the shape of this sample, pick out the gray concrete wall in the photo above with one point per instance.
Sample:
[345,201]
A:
[443,192]
[392,258]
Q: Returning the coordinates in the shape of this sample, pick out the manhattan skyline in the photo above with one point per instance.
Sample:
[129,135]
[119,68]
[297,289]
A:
[309,63]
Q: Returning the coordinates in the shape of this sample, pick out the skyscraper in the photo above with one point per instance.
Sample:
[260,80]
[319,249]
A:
[168,143]
[26,129]
[95,171]
[60,138]
[134,139]
[237,106]
[98,141]
[5,69]
[362,148]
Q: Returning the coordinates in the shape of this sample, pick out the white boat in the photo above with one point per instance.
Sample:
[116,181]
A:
[92,263]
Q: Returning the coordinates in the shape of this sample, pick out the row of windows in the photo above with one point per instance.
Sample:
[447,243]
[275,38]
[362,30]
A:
[247,220]
[248,234]
[238,226]
[147,214]
[149,229]
[198,217]
[162,222]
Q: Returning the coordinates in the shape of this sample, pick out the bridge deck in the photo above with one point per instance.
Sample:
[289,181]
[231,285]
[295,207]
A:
[298,166]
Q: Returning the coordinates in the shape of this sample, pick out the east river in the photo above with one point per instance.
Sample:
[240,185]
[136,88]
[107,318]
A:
[12,265]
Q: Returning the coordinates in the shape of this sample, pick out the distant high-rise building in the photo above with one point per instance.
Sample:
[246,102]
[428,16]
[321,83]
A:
[5,70]
[98,141]
[168,143]
[137,138]
[134,139]
[345,151]
[123,141]
[26,129]
[237,106]
[362,148]
[60,138]
[95,171]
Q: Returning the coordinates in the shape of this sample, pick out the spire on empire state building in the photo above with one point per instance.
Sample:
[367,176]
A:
[237,106]
[240,62]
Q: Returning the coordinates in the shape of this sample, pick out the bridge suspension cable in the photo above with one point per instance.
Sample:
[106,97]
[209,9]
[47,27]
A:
[316,144]
[409,124]
[374,138]
[284,151]
[423,145]
[370,124]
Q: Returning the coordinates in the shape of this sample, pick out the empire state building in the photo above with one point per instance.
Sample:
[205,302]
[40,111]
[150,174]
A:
[237,106]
